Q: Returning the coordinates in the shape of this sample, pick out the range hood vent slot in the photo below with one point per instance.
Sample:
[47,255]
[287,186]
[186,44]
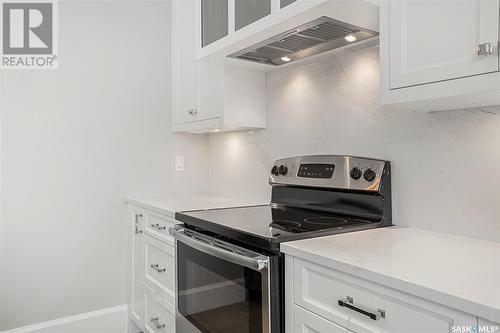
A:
[320,35]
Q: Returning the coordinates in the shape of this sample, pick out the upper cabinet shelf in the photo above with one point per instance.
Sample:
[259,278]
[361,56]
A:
[228,27]
[439,55]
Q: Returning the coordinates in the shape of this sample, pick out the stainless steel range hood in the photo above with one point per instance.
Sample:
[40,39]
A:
[321,35]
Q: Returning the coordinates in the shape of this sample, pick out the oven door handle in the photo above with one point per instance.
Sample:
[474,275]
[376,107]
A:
[255,262]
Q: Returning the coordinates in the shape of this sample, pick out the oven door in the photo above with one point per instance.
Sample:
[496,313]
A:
[221,288]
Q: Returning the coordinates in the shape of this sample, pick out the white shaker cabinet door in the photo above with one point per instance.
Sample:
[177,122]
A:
[185,70]
[438,40]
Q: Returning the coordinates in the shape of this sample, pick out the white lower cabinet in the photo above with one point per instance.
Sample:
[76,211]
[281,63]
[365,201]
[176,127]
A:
[151,300]
[326,300]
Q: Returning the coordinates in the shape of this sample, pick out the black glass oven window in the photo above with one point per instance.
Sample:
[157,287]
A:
[316,170]
[217,296]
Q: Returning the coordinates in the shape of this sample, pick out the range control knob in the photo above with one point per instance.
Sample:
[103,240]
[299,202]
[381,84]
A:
[369,175]
[275,171]
[356,173]
[283,170]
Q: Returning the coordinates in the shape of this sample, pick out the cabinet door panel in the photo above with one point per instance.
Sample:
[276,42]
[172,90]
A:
[185,69]
[214,20]
[438,40]
[363,313]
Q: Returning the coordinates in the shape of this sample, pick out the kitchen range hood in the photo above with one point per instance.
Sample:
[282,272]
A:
[318,36]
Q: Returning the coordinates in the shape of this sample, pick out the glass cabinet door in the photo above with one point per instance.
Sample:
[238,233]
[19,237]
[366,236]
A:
[284,3]
[214,21]
[249,11]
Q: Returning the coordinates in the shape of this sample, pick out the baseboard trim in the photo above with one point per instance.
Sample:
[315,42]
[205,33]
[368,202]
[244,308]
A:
[67,320]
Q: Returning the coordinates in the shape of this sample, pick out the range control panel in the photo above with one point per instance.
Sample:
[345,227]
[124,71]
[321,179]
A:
[316,170]
[330,171]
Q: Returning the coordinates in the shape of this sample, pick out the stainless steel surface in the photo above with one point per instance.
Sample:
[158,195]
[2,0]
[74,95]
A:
[341,175]
[183,325]
[158,227]
[137,230]
[320,35]
[157,268]
[485,49]
[220,249]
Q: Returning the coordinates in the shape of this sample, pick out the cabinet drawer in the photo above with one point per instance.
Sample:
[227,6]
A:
[159,268]
[362,306]
[158,316]
[305,321]
[157,226]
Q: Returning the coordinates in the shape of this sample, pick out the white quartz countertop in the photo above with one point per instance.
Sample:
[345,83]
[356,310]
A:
[459,272]
[169,204]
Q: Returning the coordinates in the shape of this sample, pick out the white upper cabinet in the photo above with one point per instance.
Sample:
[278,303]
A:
[206,95]
[196,85]
[439,55]
[438,40]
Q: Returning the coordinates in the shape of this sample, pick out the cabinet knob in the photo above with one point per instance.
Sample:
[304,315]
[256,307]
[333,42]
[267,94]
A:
[484,49]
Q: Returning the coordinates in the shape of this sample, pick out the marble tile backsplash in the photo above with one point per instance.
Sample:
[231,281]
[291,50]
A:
[446,165]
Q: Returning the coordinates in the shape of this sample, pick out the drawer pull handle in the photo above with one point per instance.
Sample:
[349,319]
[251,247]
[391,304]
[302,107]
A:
[485,49]
[154,320]
[158,227]
[157,268]
[349,303]
[137,218]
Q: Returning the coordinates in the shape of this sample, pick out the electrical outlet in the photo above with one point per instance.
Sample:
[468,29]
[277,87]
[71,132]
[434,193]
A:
[179,163]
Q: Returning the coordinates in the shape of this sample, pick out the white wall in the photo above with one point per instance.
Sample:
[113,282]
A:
[445,165]
[76,141]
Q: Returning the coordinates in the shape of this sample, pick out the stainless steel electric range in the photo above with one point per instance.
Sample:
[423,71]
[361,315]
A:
[229,267]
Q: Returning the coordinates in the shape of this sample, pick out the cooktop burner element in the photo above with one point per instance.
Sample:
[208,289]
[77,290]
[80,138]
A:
[311,196]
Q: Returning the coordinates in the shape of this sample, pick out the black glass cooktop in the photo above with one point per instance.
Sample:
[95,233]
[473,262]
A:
[267,226]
